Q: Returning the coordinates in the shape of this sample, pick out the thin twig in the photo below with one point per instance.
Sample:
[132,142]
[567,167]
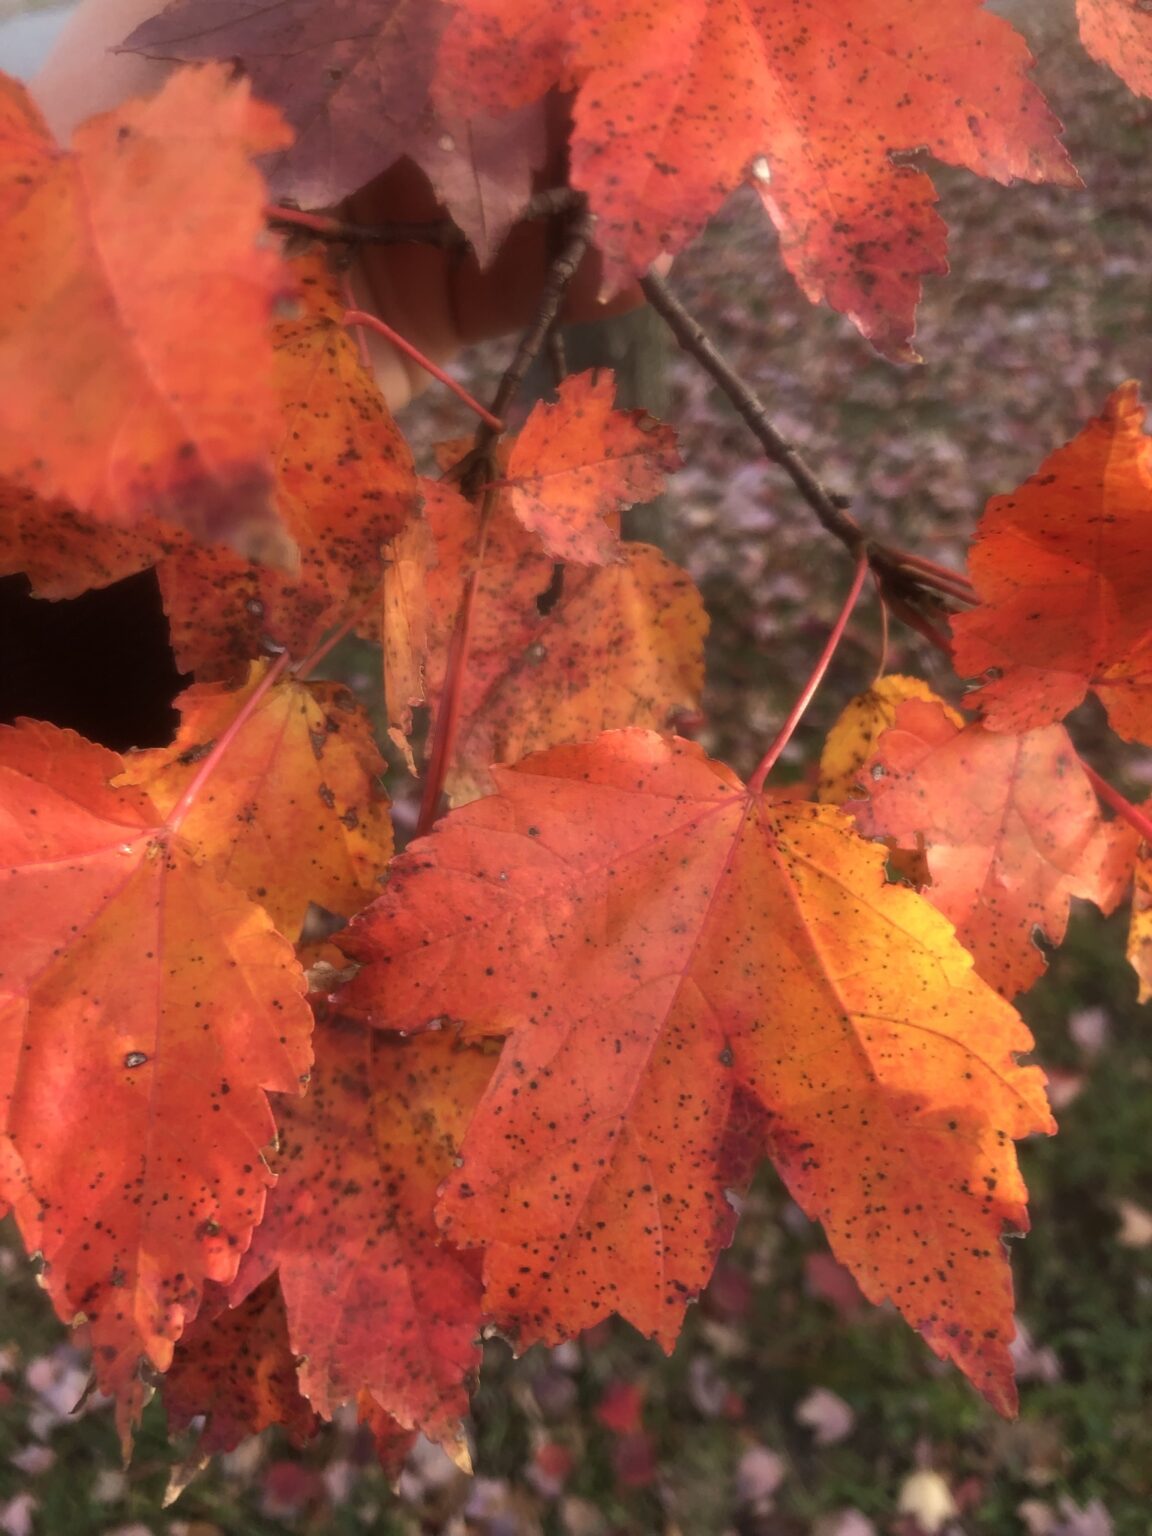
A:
[478,481]
[828,507]
[441,233]
[943,581]
[560,275]
[306,667]
[906,608]
[934,568]
[882,664]
[348,294]
[902,576]
[324,226]
[475,471]
[557,356]
[546,205]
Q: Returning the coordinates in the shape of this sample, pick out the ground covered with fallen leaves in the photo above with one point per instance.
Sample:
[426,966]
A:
[790,1407]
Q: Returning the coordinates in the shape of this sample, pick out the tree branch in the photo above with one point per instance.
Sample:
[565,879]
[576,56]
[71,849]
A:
[828,507]
[475,470]
[475,475]
[903,577]
[559,278]
[442,233]
[322,226]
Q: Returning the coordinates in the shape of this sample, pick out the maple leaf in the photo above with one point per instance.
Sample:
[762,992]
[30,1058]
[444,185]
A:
[1118,33]
[1140,926]
[852,740]
[577,460]
[404,630]
[235,1367]
[344,485]
[1012,831]
[393,1441]
[147,1008]
[295,812]
[353,80]
[1063,569]
[125,408]
[674,106]
[64,552]
[621,644]
[376,1303]
[652,937]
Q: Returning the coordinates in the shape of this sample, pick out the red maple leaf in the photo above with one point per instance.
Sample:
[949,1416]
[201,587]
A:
[653,938]
[148,1007]
[376,1304]
[578,462]
[1063,568]
[354,80]
[621,644]
[1119,34]
[124,410]
[675,107]
[235,1367]
[344,483]
[1011,828]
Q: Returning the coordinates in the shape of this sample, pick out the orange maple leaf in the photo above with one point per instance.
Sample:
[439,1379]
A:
[621,644]
[578,460]
[64,552]
[1118,33]
[1063,569]
[1011,827]
[852,740]
[675,105]
[1140,924]
[147,1009]
[655,941]
[136,288]
[393,1441]
[404,629]
[376,1303]
[295,812]
[345,484]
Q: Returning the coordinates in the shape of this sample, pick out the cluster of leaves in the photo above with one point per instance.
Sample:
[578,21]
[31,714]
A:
[525,1087]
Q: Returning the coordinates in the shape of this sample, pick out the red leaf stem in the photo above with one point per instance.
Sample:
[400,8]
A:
[448,715]
[1123,808]
[373,322]
[756,782]
[221,745]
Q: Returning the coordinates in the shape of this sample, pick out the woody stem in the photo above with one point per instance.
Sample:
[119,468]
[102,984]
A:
[324,226]
[556,285]
[901,574]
